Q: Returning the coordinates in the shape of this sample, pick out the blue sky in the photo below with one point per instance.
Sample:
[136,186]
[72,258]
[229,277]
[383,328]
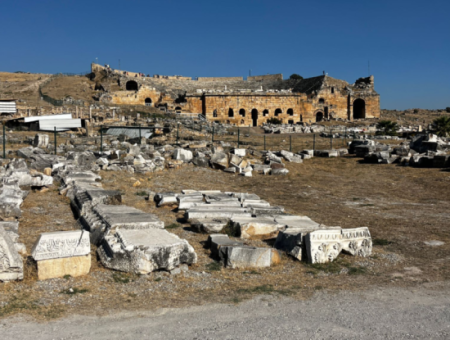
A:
[407,42]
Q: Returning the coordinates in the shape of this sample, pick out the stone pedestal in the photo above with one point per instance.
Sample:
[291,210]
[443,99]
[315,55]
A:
[73,266]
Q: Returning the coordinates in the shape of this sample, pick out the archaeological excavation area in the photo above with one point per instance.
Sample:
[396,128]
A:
[144,223]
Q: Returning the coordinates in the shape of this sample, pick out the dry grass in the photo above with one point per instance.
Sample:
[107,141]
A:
[402,206]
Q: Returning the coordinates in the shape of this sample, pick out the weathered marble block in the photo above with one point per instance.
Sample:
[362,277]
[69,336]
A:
[323,245]
[145,250]
[11,263]
[61,244]
[357,241]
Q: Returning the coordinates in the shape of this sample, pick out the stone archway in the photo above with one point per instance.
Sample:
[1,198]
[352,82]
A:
[319,116]
[132,85]
[255,117]
[148,102]
[359,109]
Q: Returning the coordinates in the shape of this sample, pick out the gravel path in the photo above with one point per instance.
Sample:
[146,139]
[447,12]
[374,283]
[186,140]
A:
[394,313]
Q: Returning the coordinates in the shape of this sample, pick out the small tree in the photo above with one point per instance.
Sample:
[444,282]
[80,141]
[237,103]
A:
[447,109]
[387,128]
[296,76]
[442,126]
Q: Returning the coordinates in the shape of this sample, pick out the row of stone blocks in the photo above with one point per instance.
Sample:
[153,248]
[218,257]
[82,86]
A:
[248,217]
[128,239]
[14,175]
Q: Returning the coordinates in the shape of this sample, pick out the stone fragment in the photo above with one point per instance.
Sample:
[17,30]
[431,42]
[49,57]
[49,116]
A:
[11,263]
[357,241]
[323,246]
[261,228]
[145,250]
[209,225]
[181,154]
[48,171]
[239,152]
[434,243]
[235,254]
[40,140]
[279,172]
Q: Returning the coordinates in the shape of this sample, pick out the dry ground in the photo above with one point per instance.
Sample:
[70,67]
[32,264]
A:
[402,206]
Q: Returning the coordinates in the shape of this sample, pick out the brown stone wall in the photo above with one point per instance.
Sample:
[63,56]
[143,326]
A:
[271,102]
[219,78]
[134,97]
[271,77]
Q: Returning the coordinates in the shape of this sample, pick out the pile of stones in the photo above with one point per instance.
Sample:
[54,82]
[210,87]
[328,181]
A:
[248,217]
[14,175]
[423,151]
[128,239]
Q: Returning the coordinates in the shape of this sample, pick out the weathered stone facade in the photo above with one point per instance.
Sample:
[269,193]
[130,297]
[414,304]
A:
[255,100]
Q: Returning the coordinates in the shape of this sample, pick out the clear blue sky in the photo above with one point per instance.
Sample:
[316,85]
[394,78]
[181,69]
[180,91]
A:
[406,41]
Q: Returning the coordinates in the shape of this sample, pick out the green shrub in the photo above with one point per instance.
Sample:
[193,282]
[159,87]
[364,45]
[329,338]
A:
[442,126]
[387,128]
[274,120]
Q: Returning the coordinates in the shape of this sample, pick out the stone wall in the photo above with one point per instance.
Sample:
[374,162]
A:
[132,97]
[264,106]
[267,77]
[219,78]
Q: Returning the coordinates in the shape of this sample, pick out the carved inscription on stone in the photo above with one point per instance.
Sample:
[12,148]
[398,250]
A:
[61,244]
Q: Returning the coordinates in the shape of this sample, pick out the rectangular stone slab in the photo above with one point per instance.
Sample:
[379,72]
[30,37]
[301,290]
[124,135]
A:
[55,268]
[61,244]
[143,251]
[127,217]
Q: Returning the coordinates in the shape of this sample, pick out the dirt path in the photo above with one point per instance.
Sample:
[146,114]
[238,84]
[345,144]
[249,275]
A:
[419,313]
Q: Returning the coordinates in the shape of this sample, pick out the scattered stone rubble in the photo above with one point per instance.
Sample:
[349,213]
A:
[128,239]
[13,175]
[248,217]
[426,150]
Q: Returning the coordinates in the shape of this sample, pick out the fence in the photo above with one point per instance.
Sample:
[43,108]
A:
[181,135]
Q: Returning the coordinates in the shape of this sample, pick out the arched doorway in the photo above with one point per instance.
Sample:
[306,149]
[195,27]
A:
[359,109]
[230,113]
[178,109]
[131,85]
[242,112]
[321,101]
[319,116]
[278,112]
[148,102]
[215,113]
[255,117]
[265,113]
[290,112]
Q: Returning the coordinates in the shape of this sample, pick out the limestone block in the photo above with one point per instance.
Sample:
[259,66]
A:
[240,152]
[278,172]
[59,267]
[291,241]
[235,254]
[357,241]
[251,257]
[40,140]
[219,160]
[142,251]
[209,225]
[323,246]
[261,228]
[11,263]
[134,150]
[181,154]
[48,171]
[61,244]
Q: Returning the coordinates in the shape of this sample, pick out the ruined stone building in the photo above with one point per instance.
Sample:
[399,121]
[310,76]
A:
[246,102]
